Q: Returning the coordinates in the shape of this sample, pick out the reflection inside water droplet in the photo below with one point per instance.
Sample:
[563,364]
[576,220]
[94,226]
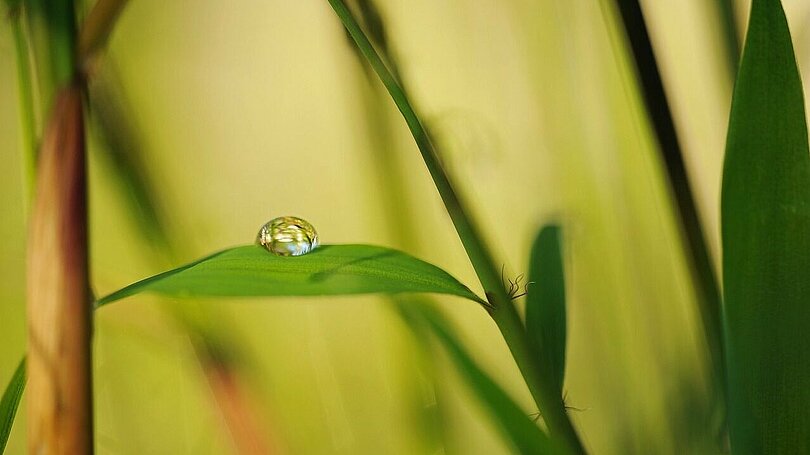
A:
[288,236]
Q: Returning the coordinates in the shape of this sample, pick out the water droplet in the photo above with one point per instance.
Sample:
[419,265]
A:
[288,236]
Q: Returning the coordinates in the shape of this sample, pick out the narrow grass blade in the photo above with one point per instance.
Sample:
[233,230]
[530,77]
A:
[10,402]
[766,244]
[509,418]
[545,303]
[123,157]
[329,270]
[697,251]
[25,97]
[504,313]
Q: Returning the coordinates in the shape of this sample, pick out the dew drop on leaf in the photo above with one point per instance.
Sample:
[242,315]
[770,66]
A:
[288,236]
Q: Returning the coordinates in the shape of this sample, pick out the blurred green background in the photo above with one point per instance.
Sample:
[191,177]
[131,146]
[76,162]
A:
[249,110]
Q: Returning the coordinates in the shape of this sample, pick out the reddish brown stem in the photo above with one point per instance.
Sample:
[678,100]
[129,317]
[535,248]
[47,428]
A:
[237,412]
[59,324]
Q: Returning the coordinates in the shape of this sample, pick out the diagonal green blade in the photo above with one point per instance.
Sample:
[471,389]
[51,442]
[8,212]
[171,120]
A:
[508,417]
[10,402]
[250,271]
[545,303]
[766,244]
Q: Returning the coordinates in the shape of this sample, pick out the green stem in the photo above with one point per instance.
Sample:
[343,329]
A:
[504,312]
[52,24]
[25,104]
[97,27]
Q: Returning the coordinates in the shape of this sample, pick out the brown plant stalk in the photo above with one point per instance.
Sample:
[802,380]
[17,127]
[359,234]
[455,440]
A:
[237,411]
[59,310]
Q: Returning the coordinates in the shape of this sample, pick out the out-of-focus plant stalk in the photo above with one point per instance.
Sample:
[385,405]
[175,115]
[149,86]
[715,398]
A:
[237,412]
[96,29]
[59,312]
[25,101]
[60,408]
[52,30]
[503,310]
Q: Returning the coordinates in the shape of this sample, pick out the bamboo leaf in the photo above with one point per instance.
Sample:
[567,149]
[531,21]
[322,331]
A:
[545,304]
[766,244]
[508,417]
[10,402]
[328,270]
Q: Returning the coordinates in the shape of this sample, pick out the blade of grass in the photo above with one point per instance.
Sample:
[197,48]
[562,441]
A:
[507,416]
[25,99]
[428,414]
[122,159]
[504,313]
[10,402]
[545,303]
[328,270]
[766,244]
[697,252]
[478,253]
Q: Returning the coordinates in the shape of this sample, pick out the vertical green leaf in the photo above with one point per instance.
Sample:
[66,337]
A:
[508,417]
[10,402]
[545,303]
[766,244]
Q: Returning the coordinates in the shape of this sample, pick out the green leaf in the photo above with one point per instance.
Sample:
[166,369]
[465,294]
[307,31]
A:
[124,159]
[250,271]
[10,402]
[766,244]
[508,417]
[545,304]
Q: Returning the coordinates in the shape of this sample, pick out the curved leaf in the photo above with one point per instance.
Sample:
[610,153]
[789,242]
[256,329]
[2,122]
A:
[545,304]
[509,418]
[766,244]
[250,271]
[10,402]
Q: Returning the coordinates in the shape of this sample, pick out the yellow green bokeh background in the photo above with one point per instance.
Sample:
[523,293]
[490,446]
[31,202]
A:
[250,110]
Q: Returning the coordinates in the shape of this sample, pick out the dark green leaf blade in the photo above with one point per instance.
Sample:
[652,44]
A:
[10,402]
[250,271]
[766,244]
[545,303]
[509,418]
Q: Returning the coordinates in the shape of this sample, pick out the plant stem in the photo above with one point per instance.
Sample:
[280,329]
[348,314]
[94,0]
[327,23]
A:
[60,407]
[59,323]
[504,312]
[52,25]
[697,252]
[96,28]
